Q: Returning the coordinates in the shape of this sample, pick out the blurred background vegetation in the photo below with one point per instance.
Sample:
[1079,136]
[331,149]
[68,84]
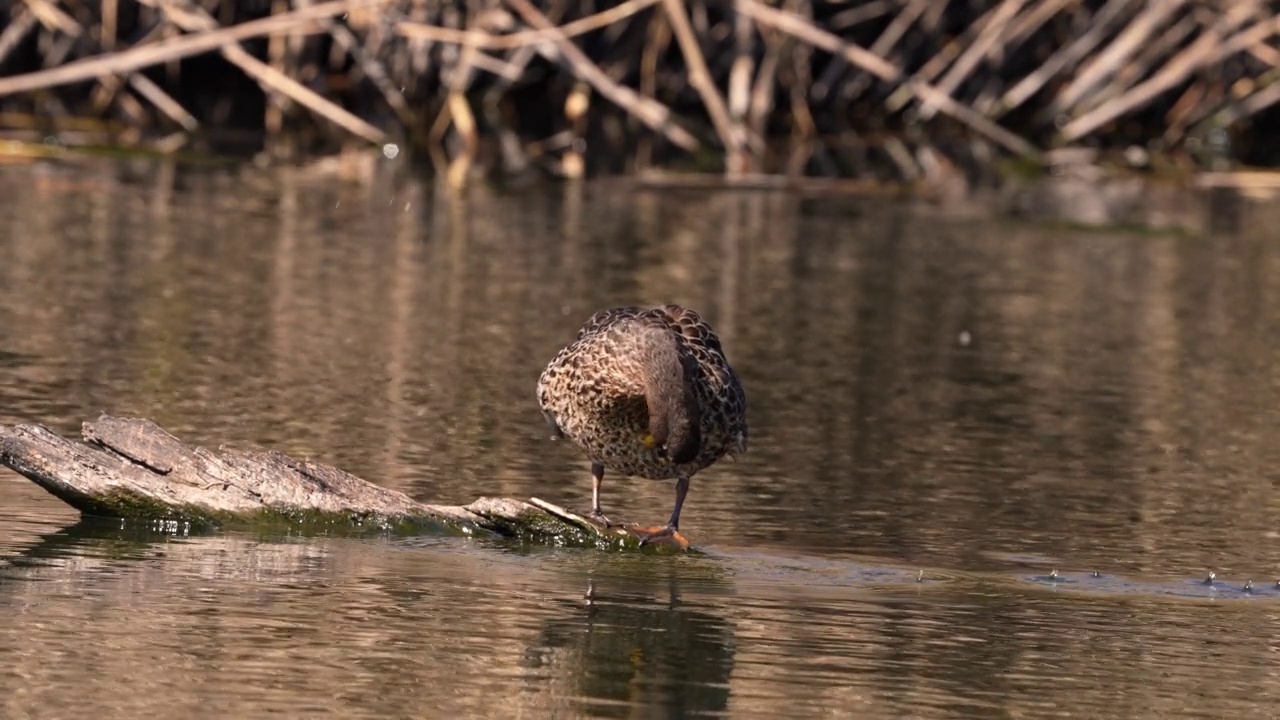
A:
[896,90]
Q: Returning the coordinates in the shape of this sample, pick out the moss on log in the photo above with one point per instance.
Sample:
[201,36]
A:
[133,469]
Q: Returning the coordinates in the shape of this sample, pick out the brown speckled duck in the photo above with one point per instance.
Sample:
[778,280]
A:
[646,392]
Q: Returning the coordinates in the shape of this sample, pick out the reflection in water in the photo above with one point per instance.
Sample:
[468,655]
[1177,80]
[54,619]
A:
[637,650]
[976,397]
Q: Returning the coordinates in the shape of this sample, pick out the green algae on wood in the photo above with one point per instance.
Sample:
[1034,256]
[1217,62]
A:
[133,469]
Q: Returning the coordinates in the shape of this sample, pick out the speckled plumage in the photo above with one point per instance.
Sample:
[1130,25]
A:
[594,391]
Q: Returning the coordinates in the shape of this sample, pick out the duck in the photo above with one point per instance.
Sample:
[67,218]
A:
[646,392]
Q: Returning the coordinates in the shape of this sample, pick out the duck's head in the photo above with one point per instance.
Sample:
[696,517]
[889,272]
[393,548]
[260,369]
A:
[674,416]
[674,430]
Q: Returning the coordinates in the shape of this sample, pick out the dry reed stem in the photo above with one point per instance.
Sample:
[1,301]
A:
[110,16]
[1257,33]
[1062,58]
[1239,179]
[306,21]
[436,33]
[272,79]
[276,105]
[656,43]
[572,163]
[163,102]
[1264,94]
[936,65]
[731,135]
[817,37]
[859,14]
[739,92]
[762,94]
[1152,53]
[1106,63]
[653,113]
[16,32]
[465,125]
[1207,48]
[856,55]
[1255,103]
[511,72]
[1178,117]
[844,20]
[1023,27]
[53,18]
[887,39]
[898,27]
[974,54]
[371,66]
[109,85]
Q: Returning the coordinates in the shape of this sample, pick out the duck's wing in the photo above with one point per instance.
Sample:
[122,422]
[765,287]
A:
[605,319]
[689,324]
[705,346]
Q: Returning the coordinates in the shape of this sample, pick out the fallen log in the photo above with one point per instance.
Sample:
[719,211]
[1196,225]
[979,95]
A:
[133,469]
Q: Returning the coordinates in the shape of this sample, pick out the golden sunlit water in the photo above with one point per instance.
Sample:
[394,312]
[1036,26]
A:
[992,460]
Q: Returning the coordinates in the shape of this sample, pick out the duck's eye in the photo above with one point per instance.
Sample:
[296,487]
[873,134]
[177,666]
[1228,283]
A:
[648,441]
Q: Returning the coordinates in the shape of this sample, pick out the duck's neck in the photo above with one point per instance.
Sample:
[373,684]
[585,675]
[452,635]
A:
[674,417]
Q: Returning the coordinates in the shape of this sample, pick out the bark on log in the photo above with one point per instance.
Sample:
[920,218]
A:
[133,469]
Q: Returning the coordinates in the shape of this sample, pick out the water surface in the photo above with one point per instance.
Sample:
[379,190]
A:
[945,406]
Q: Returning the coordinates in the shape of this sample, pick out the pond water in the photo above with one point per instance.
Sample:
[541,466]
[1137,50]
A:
[946,407]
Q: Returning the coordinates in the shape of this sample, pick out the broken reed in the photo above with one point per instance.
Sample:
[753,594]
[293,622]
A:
[744,86]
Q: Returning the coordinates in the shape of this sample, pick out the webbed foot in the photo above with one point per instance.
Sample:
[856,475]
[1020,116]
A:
[667,535]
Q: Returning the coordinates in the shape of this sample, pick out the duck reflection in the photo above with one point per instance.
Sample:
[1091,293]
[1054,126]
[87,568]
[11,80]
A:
[627,649]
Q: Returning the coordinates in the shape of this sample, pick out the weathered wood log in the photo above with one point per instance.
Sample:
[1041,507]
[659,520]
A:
[133,469]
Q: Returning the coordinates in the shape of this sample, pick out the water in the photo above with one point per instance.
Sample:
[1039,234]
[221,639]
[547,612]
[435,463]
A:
[945,406]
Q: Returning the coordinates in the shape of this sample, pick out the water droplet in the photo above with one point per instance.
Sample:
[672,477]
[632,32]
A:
[391,150]
[965,338]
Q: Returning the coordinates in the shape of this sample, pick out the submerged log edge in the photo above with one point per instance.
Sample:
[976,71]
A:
[131,468]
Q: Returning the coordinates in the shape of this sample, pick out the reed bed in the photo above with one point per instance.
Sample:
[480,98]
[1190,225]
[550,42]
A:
[915,89]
